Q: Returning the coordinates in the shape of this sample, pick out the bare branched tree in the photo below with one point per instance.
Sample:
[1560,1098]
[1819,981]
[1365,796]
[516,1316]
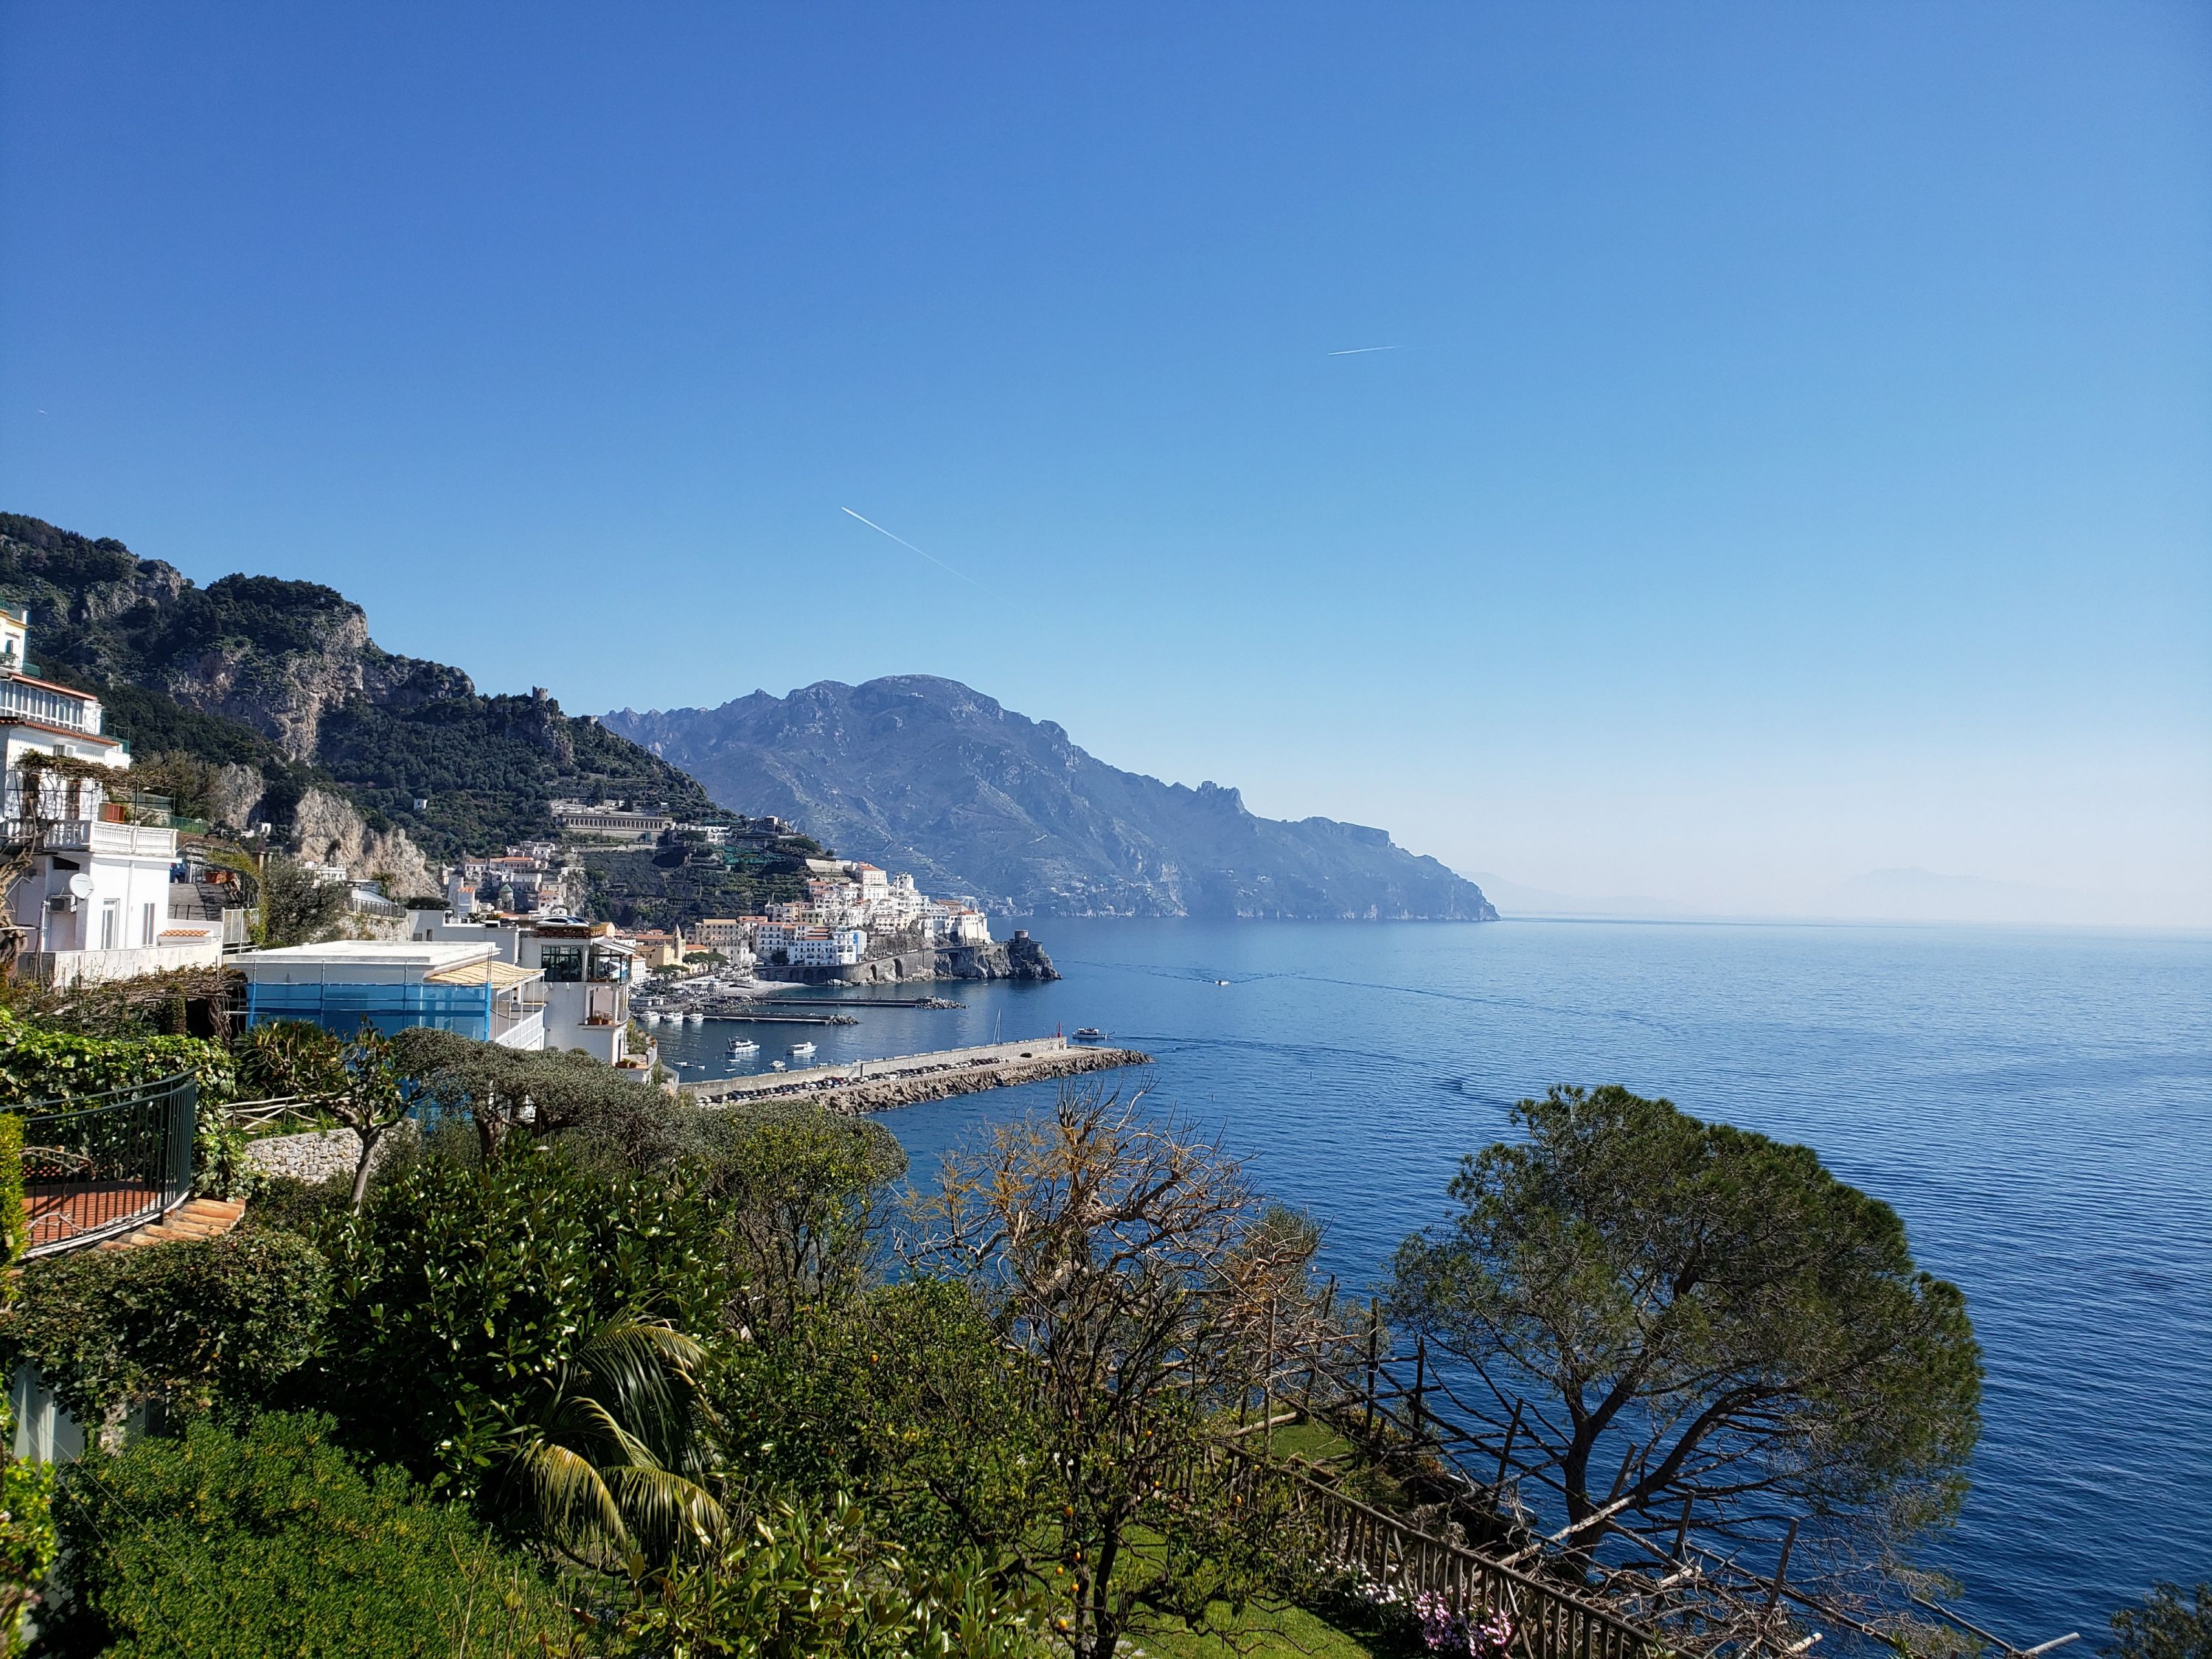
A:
[1129,1257]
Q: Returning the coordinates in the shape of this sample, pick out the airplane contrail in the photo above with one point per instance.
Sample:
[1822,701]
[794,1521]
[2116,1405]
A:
[910,546]
[1357,351]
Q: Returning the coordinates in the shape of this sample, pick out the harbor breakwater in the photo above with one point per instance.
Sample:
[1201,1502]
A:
[881,1085]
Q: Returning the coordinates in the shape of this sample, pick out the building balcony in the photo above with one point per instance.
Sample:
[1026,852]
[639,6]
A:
[94,835]
[49,707]
[519,1029]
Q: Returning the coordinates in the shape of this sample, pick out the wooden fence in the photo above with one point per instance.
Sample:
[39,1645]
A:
[1547,1621]
[1342,1535]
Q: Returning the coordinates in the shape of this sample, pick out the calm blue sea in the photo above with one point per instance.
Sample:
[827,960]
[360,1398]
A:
[2037,1106]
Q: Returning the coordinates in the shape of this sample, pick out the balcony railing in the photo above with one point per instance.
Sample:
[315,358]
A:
[105,1164]
[522,1028]
[91,836]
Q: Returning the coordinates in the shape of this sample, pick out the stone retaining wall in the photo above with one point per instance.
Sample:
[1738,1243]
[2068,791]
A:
[318,1155]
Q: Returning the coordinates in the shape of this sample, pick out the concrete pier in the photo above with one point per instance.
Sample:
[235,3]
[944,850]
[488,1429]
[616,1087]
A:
[876,1085]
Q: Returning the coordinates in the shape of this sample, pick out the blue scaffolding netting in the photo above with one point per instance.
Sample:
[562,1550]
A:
[340,1009]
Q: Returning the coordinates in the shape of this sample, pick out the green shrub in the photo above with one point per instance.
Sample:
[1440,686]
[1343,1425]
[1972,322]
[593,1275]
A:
[800,1193]
[906,1398]
[15,1220]
[284,1057]
[27,1538]
[27,1528]
[286,1205]
[464,1290]
[38,1063]
[802,1581]
[272,1542]
[192,1323]
[219,1147]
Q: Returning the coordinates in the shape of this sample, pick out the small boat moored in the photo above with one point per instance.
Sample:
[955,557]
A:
[802,1047]
[1089,1034]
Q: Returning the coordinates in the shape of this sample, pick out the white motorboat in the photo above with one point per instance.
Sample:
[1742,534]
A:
[743,1046]
[776,1066]
[652,1016]
[802,1047]
[695,1017]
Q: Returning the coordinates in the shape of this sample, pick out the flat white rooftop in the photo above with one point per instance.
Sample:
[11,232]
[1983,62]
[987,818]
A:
[398,959]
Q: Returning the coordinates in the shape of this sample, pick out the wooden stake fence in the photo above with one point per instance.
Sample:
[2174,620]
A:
[1345,1535]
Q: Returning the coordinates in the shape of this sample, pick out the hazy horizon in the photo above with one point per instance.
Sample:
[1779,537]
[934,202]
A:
[1717,455]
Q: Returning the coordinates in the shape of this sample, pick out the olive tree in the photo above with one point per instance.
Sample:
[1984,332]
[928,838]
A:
[1692,1324]
[502,1091]
[298,907]
[372,1099]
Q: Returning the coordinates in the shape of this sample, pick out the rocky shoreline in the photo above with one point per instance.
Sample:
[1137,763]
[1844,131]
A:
[1020,957]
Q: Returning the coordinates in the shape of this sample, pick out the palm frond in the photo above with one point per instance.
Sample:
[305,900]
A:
[575,1505]
[664,1510]
[605,1464]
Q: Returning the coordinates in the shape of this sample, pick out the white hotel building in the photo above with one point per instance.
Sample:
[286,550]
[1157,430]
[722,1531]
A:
[90,865]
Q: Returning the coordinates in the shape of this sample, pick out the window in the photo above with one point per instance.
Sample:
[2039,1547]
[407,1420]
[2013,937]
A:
[111,923]
[147,926]
[563,964]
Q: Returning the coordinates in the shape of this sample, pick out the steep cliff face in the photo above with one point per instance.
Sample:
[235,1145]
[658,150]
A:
[921,774]
[327,829]
[273,655]
[280,680]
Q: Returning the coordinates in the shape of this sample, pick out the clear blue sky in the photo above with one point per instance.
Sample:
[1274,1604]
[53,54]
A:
[1797,458]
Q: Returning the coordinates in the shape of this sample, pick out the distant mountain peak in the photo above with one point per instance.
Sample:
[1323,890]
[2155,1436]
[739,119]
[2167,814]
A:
[916,771]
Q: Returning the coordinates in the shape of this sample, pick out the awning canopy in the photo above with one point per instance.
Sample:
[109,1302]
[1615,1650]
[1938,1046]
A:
[494,973]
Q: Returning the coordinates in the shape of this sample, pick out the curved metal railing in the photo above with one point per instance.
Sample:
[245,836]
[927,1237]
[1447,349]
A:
[105,1163]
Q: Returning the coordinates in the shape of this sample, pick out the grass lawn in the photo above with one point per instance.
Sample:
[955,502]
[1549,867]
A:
[1271,1630]
[1271,1633]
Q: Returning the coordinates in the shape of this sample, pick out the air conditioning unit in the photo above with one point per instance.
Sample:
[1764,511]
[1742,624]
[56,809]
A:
[64,902]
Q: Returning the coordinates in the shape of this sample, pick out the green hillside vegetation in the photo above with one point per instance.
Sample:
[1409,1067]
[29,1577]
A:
[490,766]
[281,676]
[660,886]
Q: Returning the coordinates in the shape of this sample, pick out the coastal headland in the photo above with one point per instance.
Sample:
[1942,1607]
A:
[881,1085]
[1020,957]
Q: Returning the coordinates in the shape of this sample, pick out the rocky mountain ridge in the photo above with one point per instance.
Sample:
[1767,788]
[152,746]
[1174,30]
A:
[278,684]
[917,773]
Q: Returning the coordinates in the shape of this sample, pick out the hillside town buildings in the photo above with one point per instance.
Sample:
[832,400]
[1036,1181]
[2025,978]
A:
[853,911]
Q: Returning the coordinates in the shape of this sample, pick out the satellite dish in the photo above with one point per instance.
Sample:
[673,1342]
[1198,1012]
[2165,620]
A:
[80,886]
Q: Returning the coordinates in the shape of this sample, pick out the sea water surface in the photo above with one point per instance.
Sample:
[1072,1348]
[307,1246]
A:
[2037,1105]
